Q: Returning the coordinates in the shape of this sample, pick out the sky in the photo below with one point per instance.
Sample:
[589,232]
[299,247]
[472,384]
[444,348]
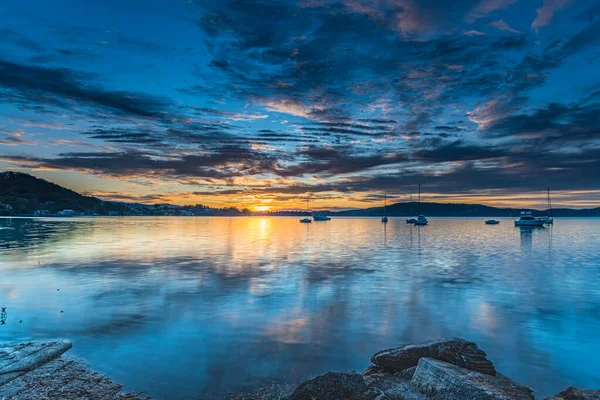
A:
[263,103]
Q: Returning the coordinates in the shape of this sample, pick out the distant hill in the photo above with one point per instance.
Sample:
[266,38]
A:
[460,210]
[25,194]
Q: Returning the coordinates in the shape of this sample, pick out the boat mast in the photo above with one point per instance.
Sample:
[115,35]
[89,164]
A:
[410,205]
[419,203]
[549,204]
[384,203]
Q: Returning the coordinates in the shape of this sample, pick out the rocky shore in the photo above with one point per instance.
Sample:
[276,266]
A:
[444,369]
[41,371]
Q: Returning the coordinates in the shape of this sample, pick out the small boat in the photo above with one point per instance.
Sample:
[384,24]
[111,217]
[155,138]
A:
[527,219]
[321,217]
[306,220]
[492,222]
[421,220]
[549,217]
[384,219]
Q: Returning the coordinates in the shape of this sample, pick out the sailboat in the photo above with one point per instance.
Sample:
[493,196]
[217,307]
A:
[306,220]
[549,219]
[410,220]
[421,219]
[384,219]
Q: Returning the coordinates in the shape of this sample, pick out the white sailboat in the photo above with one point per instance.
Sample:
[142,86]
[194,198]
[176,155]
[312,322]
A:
[306,220]
[421,219]
[384,219]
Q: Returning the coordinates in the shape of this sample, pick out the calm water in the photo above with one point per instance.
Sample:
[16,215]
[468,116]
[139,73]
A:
[179,307]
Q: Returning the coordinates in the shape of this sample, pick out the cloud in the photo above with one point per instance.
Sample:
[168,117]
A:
[502,25]
[14,138]
[61,87]
[556,124]
[20,40]
[545,14]
[222,163]
[485,7]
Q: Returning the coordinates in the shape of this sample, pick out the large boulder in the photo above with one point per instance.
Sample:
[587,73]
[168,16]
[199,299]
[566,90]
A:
[336,386]
[576,394]
[456,351]
[441,380]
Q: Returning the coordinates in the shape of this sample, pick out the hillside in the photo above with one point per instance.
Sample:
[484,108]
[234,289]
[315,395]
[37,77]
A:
[460,210]
[26,194]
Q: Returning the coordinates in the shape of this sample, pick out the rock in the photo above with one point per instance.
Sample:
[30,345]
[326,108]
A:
[39,370]
[28,356]
[441,380]
[395,385]
[336,386]
[576,394]
[456,351]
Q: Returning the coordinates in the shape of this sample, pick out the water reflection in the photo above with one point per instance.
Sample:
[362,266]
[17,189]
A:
[182,306]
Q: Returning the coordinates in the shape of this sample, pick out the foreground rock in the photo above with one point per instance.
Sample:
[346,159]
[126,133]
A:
[456,351]
[38,370]
[576,394]
[336,386]
[445,369]
[441,380]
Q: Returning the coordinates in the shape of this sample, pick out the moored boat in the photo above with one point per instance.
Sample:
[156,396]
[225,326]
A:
[527,219]
[421,220]
[492,222]
[321,217]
